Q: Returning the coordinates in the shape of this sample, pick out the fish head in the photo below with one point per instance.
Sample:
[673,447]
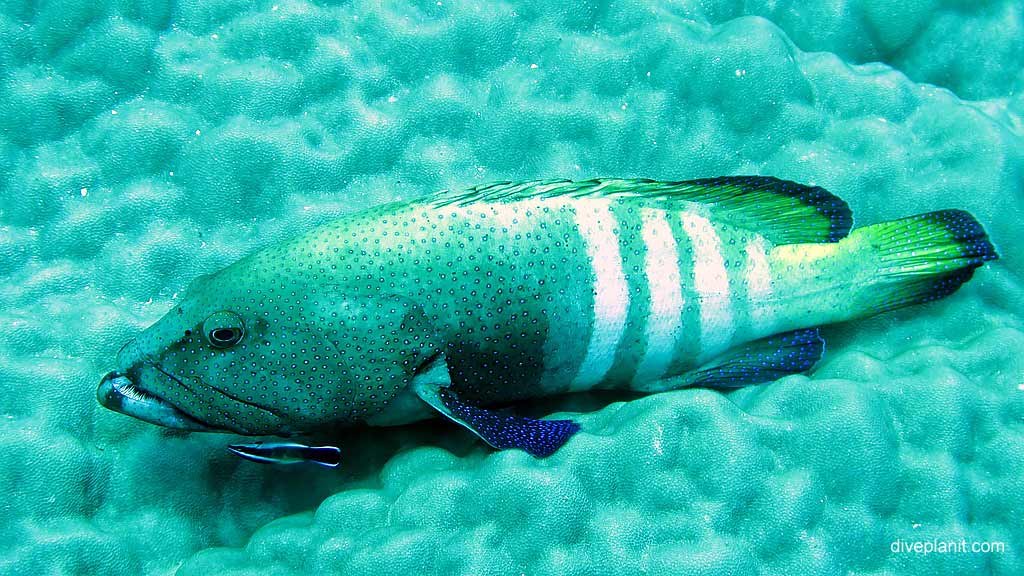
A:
[184,370]
[254,355]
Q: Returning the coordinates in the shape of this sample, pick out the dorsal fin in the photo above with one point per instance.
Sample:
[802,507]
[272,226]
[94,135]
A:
[783,212]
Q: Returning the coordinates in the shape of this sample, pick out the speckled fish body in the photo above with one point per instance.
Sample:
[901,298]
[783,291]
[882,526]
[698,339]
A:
[547,295]
[533,289]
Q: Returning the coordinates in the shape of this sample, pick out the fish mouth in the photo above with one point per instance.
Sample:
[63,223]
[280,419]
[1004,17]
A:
[118,393]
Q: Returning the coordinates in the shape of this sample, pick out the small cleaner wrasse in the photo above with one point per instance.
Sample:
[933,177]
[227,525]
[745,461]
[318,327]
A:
[462,301]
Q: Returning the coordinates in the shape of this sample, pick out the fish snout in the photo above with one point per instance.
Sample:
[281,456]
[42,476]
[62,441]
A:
[106,394]
[118,392]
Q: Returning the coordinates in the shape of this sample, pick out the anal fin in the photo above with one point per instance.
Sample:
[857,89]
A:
[760,361]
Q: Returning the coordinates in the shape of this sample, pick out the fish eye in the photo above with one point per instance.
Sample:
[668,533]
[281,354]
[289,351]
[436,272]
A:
[223,329]
[225,336]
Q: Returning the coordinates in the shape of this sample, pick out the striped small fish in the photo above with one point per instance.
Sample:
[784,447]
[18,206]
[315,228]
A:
[462,301]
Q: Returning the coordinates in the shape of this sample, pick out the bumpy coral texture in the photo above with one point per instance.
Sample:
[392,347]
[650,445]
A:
[144,143]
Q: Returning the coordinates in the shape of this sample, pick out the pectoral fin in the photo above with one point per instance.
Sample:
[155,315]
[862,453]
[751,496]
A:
[501,430]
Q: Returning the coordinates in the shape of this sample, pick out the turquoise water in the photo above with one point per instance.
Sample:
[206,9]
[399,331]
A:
[143,144]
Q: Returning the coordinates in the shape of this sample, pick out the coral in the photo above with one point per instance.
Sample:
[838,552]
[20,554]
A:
[146,143]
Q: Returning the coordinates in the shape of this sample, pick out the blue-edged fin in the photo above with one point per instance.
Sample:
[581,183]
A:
[783,212]
[288,453]
[760,361]
[922,258]
[498,428]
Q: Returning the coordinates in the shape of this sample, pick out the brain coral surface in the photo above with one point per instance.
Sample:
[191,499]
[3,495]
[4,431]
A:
[145,143]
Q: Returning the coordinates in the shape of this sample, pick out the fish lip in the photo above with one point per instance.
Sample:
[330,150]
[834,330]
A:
[118,392]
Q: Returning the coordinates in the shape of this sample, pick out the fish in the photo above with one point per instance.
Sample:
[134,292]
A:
[462,303]
[288,453]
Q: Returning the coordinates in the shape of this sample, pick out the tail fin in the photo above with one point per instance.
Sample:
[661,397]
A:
[924,257]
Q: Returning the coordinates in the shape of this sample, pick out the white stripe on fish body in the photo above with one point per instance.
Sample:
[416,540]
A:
[663,326]
[759,287]
[569,313]
[508,215]
[711,282]
[645,293]
[596,225]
